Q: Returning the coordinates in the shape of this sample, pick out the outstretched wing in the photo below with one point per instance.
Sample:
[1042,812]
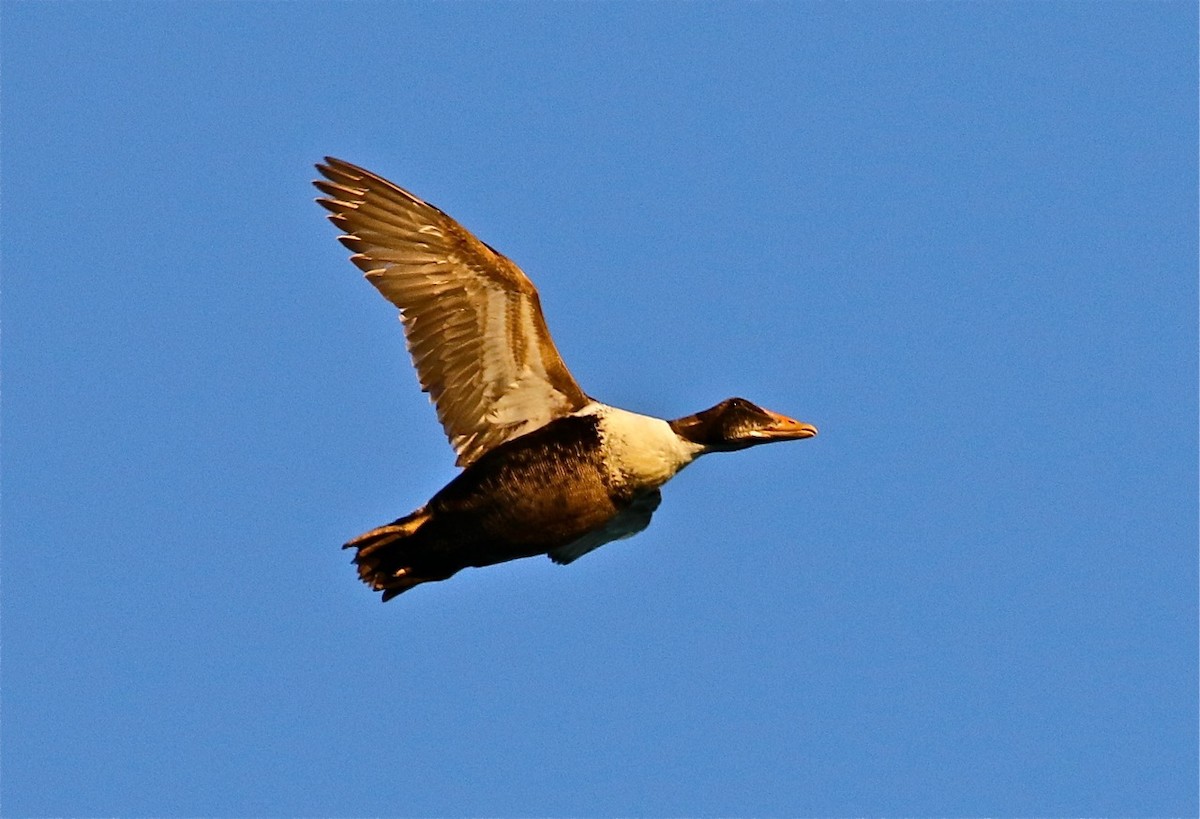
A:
[472,319]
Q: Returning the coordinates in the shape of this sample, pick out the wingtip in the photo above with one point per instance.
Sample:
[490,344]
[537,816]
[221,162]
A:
[331,167]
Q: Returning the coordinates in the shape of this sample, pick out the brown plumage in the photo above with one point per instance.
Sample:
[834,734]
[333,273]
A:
[473,320]
[482,516]
[546,470]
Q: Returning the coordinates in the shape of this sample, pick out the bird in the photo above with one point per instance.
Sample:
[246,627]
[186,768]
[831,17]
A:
[546,469]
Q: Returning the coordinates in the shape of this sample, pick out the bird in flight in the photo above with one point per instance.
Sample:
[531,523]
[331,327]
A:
[547,470]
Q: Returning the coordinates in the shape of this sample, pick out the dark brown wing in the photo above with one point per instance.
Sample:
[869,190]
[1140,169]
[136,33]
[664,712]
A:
[472,318]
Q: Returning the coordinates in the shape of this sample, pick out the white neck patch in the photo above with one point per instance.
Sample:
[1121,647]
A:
[641,449]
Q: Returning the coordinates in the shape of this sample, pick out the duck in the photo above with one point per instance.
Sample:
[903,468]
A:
[545,468]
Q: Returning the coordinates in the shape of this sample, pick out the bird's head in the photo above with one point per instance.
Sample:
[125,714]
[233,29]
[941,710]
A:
[735,423]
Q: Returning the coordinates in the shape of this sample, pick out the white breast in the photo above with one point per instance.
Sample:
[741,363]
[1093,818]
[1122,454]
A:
[640,449]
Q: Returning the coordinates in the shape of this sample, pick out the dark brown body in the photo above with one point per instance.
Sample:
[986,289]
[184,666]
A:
[529,496]
[547,470]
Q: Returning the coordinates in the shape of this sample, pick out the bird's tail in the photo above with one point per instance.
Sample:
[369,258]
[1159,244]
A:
[385,555]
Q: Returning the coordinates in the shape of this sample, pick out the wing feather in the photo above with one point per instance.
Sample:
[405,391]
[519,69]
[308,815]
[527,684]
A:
[472,319]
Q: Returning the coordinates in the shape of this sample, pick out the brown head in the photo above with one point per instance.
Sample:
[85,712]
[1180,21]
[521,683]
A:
[735,423]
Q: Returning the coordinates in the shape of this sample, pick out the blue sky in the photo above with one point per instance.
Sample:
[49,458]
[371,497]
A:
[959,238]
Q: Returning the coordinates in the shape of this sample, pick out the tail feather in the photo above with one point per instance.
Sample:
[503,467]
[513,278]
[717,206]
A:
[385,555]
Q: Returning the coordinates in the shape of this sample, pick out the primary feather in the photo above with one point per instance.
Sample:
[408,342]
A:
[472,319]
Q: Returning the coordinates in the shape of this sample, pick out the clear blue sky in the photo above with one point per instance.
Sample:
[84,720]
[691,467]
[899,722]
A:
[959,238]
